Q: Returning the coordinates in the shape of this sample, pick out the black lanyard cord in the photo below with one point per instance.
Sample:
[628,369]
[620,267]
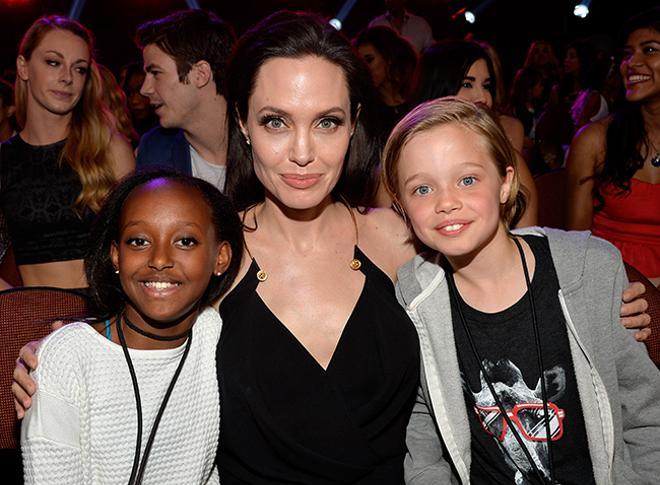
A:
[137,471]
[539,355]
[454,294]
[538,475]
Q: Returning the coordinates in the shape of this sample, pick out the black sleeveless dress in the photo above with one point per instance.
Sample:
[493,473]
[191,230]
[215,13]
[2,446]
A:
[284,419]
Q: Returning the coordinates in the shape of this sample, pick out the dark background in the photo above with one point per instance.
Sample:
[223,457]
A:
[508,24]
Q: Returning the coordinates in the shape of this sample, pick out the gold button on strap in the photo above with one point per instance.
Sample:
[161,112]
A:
[355,264]
[262,275]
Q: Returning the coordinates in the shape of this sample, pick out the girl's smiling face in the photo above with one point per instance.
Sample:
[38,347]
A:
[640,66]
[451,190]
[166,254]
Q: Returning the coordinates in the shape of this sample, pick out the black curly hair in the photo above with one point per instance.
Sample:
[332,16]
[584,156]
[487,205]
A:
[107,295]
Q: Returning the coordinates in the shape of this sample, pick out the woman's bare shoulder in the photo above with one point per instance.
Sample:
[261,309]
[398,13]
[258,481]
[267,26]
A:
[385,233]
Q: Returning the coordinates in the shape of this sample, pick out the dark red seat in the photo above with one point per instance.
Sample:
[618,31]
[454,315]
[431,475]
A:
[26,314]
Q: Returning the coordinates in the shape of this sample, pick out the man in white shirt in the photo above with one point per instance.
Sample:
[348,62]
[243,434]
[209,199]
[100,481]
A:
[412,27]
[185,60]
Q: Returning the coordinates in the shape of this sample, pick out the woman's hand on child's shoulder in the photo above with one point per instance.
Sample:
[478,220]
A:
[23,387]
[633,311]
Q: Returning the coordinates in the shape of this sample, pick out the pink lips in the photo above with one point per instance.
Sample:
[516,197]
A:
[300,181]
[452,228]
[62,94]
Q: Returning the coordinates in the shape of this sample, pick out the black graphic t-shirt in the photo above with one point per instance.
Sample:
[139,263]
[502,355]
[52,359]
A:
[505,343]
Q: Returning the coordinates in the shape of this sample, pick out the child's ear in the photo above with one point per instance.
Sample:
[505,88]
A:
[223,258]
[114,255]
[505,189]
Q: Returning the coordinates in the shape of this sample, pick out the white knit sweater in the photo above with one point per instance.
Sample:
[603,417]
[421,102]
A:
[82,428]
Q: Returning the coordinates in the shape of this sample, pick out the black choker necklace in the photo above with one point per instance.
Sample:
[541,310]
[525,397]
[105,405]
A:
[153,336]
[139,464]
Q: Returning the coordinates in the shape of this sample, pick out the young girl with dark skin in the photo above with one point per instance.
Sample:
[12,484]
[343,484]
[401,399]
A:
[67,152]
[162,251]
[319,367]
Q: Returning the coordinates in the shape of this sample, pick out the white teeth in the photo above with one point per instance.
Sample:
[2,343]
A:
[638,77]
[159,285]
[453,227]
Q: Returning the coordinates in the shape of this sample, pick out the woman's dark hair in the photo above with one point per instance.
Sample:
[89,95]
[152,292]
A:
[586,55]
[295,35]
[398,53]
[107,294]
[444,65]
[627,140]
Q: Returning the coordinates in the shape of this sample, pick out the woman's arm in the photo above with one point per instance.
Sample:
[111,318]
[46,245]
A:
[122,156]
[639,394]
[587,151]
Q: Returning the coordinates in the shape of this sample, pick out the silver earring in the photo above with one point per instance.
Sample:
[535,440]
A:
[247,140]
[116,271]
[219,273]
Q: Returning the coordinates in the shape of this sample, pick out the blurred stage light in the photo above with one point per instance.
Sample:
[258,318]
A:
[582,9]
[76,9]
[470,18]
[345,9]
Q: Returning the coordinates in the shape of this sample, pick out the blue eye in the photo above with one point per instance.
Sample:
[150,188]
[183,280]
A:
[272,122]
[422,190]
[468,181]
[329,123]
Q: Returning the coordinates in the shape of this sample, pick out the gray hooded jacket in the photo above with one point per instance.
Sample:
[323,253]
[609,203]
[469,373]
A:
[619,387]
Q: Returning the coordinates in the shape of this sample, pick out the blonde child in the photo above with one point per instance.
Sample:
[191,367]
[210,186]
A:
[527,376]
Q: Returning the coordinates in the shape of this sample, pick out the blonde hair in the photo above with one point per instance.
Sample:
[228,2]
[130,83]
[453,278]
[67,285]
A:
[115,99]
[87,148]
[477,119]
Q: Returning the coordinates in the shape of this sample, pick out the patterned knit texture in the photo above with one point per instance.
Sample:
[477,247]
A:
[82,425]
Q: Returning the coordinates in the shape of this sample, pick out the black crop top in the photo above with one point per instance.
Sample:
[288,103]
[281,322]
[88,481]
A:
[36,199]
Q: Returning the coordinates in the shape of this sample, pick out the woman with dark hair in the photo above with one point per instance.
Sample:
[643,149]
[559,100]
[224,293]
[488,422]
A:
[392,61]
[614,164]
[68,154]
[319,364]
[464,69]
